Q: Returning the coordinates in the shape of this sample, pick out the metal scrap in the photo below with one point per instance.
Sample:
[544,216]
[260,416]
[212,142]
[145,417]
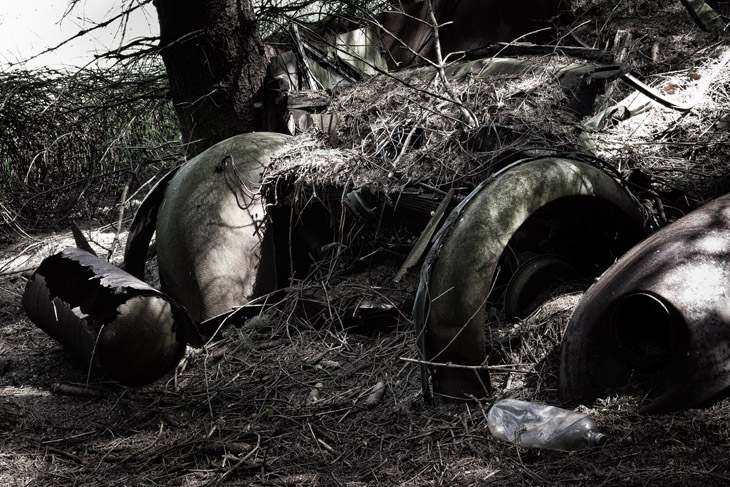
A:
[657,319]
[131,331]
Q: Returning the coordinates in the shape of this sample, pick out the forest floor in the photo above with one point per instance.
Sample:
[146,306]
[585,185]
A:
[278,401]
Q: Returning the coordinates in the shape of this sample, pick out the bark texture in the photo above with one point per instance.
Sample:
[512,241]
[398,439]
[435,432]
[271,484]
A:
[215,64]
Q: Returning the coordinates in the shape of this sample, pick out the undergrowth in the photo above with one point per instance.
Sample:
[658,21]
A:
[71,142]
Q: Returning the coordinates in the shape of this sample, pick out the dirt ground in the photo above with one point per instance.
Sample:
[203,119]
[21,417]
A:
[278,401]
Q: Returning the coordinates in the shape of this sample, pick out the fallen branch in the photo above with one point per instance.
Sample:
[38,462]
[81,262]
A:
[468,117]
[76,391]
[451,365]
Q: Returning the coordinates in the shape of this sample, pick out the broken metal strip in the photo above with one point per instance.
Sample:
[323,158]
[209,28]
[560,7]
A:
[420,246]
[348,74]
[80,239]
[654,94]
[308,76]
[143,227]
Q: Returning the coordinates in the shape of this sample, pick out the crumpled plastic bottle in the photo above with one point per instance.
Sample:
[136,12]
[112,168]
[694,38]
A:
[539,425]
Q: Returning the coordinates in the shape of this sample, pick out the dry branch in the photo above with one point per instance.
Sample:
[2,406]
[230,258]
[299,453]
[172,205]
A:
[70,141]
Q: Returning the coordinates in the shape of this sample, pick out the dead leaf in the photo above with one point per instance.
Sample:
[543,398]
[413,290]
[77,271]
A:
[670,88]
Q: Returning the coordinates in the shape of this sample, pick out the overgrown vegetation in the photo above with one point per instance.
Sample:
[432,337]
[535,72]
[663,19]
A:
[72,142]
[276,401]
[76,145]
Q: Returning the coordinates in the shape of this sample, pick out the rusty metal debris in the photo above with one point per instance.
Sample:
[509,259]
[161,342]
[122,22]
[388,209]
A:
[422,243]
[658,319]
[143,228]
[132,331]
[462,265]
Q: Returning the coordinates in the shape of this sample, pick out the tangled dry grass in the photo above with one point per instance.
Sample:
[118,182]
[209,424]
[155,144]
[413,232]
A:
[404,127]
[277,400]
[71,142]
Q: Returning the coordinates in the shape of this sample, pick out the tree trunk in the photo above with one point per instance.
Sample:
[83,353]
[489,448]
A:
[215,64]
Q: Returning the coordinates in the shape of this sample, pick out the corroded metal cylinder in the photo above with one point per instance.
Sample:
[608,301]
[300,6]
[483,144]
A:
[132,331]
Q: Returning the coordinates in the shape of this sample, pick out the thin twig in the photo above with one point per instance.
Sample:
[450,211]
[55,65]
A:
[468,117]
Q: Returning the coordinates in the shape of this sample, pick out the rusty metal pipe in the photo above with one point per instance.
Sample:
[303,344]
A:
[133,332]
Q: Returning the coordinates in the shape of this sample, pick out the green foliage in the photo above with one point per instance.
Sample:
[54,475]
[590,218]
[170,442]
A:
[71,141]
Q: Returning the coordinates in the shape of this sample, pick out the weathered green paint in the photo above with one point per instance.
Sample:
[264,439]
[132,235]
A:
[464,266]
[214,249]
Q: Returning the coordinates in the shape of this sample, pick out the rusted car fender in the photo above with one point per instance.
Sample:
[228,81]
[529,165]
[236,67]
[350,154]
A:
[107,317]
[658,318]
[456,277]
[214,248]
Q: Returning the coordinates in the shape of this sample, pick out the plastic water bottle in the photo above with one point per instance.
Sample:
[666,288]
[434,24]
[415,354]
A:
[542,426]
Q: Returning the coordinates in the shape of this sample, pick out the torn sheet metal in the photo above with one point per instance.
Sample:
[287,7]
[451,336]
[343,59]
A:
[458,273]
[655,94]
[107,317]
[422,243]
[658,319]
[143,228]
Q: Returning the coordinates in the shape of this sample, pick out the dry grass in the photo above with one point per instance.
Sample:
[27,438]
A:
[381,116]
[278,402]
[72,141]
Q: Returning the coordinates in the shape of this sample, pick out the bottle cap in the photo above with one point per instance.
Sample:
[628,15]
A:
[596,439]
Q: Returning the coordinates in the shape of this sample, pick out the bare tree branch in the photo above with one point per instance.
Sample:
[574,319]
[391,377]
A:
[469,118]
[124,14]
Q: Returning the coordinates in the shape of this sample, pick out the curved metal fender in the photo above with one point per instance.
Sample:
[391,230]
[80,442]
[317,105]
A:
[659,316]
[213,247]
[456,277]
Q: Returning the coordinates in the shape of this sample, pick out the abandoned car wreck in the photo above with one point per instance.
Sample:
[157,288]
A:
[416,195]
